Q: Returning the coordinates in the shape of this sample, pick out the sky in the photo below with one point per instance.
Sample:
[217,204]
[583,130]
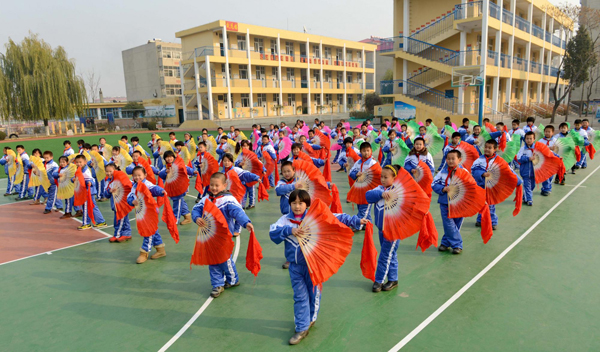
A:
[95,32]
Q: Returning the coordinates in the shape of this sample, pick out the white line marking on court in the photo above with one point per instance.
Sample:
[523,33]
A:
[54,250]
[201,310]
[464,289]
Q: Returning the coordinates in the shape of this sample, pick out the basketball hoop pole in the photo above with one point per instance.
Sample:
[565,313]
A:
[481,102]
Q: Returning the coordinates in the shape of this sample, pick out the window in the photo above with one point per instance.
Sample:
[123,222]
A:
[166,54]
[289,74]
[243,72]
[260,72]
[340,54]
[245,100]
[327,52]
[261,98]
[327,76]
[349,77]
[275,97]
[340,98]
[316,51]
[177,54]
[273,47]
[289,48]
[327,99]
[274,72]
[259,46]
[173,89]
[349,99]
[359,77]
[241,42]
[290,98]
[348,55]
[317,99]
[316,76]
[171,71]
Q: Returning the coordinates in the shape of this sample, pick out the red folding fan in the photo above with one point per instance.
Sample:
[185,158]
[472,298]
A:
[369,179]
[120,188]
[177,181]
[303,156]
[208,166]
[325,243]
[149,173]
[235,186]
[501,183]
[336,205]
[404,210]
[424,177]
[312,180]
[251,163]
[545,163]
[351,159]
[270,165]
[321,139]
[368,256]
[80,189]
[468,154]
[465,198]
[490,128]
[310,151]
[146,213]
[213,240]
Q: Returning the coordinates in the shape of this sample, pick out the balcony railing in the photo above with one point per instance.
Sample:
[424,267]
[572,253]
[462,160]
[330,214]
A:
[505,61]
[469,10]
[494,11]
[535,67]
[369,85]
[522,24]
[538,32]
[555,40]
[492,58]
[519,64]
[507,17]
[546,70]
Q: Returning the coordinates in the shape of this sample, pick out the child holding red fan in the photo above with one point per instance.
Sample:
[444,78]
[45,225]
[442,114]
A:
[172,173]
[155,240]
[452,238]
[360,168]
[248,179]
[525,158]
[481,170]
[266,147]
[81,163]
[122,227]
[135,156]
[387,264]
[549,141]
[223,275]
[307,297]
[418,153]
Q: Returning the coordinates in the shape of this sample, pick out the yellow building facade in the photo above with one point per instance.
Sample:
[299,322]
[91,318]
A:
[237,70]
[517,44]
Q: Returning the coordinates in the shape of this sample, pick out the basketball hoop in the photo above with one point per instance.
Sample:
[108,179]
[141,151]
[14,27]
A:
[464,86]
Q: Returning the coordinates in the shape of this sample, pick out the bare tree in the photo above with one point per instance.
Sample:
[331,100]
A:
[594,77]
[568,16]
[92,82]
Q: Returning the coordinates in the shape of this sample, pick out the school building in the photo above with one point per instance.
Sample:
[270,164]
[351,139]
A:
[237,70]
[516,43]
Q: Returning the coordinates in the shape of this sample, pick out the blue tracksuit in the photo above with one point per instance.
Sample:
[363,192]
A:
[464,134]
[547,185]
[246,178]
[387,264]
[283,190]
[51,200]
[447,148]
[412,161]
[10,184]
[233,213]
[269,149]
[364,210]
[452,227]
[156,191]
[180,207]
[122,227]
[526,171]
[387,150]
[583,159]
[307,298]
[89,184]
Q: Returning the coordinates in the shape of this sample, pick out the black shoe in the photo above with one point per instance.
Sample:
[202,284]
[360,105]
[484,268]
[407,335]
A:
[545,194]
[562,183]
[341,170]
[7,194]
[285,265]
[377,287]
[494,227]
[216,292]
[477,224]
[390,285]
[556,181]
[584,167]
[442,248]
[456,250]
[576,167]
[250,207]
[47,211]
[299,336]
[228,285]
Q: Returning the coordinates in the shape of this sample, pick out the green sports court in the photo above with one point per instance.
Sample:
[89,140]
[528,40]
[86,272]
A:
[533,287]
